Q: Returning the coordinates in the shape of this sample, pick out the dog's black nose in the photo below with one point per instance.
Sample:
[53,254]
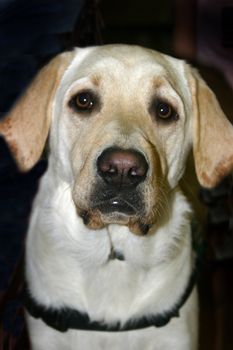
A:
[120,166]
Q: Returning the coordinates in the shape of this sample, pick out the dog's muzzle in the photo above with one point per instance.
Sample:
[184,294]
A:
[121,171]
[117,195]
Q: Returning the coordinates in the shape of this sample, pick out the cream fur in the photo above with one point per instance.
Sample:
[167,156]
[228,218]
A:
[68,265]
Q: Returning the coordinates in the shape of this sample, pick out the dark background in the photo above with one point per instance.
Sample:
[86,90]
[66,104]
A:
[31,33]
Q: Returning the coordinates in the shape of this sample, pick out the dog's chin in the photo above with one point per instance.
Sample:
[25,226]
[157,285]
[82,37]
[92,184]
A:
[102,216]
[96,218]
[122,209]
[115,218]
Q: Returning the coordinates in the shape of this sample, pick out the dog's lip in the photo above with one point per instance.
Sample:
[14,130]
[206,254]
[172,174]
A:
[115,205]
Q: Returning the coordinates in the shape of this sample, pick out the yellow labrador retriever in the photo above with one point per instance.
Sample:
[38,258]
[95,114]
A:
[109,258]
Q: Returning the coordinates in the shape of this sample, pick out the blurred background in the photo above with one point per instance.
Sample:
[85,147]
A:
[31,33]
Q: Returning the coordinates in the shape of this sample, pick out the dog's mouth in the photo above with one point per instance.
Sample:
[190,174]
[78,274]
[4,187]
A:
[116,205]
[123,203]
[124,208]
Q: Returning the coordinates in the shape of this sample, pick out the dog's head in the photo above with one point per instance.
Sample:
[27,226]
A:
[122,121]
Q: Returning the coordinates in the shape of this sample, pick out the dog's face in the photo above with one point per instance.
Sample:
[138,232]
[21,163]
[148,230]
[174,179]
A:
[123,121]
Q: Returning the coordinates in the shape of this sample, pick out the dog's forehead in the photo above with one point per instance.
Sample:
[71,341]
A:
[119,61]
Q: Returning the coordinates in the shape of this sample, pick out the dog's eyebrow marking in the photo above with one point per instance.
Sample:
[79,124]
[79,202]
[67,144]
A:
[158,82]
[95,79]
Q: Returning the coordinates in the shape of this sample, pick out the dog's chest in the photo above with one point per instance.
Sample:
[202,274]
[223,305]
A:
[174,336]
[133,340]
[111,274]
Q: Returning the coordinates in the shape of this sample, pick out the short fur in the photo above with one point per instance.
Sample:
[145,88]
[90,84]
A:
[68,259]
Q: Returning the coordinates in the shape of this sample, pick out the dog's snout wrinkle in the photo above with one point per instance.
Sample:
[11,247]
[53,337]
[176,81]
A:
[122,167]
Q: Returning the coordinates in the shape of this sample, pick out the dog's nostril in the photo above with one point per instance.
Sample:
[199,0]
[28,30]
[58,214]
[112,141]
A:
[127,167]
[108,168]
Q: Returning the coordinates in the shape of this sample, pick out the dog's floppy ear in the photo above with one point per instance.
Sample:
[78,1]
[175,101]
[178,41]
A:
[212,135]
[26,126]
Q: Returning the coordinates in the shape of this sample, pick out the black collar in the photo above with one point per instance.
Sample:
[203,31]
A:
[66,318]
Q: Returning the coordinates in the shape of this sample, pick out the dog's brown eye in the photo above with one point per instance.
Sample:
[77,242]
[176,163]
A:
[165,111]
[83,102]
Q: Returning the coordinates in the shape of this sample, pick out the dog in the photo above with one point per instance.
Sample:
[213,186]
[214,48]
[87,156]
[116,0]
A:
[110,262]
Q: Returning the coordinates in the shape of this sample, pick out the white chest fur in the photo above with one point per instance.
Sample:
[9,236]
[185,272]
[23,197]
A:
[66,264]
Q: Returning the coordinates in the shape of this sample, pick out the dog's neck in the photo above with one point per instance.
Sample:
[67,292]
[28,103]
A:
[65,318]
[80,272]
